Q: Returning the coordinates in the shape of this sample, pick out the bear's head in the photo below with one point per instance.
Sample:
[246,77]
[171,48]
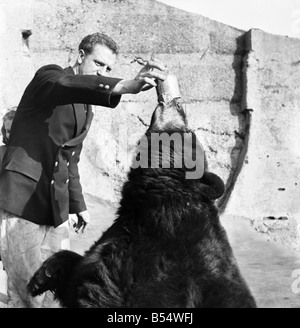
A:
[171,153]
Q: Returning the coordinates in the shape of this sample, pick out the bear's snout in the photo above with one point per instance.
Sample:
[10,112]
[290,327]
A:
[169,116]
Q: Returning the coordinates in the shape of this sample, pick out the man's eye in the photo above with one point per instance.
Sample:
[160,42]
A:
[99,63]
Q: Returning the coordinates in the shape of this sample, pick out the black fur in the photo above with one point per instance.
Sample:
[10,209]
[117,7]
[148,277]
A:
[166,248]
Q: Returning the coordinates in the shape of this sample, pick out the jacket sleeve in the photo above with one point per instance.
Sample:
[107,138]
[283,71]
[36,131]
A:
[76,199]
[52,85]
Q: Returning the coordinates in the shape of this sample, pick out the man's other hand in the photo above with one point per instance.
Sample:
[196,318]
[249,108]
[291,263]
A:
[83,219]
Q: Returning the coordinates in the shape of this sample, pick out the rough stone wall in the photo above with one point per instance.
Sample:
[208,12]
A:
[205,55]
[211,62]
[16,68]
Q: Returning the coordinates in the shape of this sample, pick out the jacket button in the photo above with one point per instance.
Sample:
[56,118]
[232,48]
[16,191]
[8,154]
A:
[68,163]
[73,153]
[101,85]
[52,182]
[107,87]
[67,181]
[56,163]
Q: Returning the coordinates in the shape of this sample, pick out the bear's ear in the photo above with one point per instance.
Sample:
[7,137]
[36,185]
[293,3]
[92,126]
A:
[212,185]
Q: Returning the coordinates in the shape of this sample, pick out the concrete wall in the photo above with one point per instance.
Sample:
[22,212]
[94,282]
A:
[16,68]
[205,55]
[211,62]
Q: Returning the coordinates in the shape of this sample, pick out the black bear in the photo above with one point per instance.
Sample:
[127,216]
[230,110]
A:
[166,248]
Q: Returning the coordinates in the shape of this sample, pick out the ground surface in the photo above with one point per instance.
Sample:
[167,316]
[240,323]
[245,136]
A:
[266,267]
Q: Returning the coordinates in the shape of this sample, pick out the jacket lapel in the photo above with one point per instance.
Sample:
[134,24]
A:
[79,112]
[80,117]
[77,140]
[83,119]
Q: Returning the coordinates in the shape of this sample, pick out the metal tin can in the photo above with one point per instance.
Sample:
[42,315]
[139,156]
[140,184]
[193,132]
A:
[168,89]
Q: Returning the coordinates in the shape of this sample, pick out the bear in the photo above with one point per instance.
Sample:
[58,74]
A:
[166,248]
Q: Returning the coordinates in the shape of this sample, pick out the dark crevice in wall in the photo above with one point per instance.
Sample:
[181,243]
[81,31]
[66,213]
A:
[25,42]
[25,36]
[273,218]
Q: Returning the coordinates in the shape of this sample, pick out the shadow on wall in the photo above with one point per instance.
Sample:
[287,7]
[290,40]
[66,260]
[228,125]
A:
[238,108]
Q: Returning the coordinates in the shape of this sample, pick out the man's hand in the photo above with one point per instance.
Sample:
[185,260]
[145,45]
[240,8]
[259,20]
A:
[146,77]
[144,80]
[83,219]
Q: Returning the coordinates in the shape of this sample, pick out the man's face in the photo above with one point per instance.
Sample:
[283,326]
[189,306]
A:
[99,62]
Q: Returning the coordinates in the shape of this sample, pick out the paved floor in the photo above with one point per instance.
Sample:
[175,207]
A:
[266,267]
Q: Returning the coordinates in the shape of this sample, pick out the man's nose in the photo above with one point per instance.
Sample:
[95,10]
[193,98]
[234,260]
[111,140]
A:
[102,71]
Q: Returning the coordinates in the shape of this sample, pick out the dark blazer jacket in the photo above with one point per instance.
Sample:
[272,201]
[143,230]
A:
[39,178]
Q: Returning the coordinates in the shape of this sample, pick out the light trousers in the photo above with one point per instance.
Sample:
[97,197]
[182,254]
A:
[24,247]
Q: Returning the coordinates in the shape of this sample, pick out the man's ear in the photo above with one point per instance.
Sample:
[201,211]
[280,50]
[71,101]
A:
[81,55]
[212,185]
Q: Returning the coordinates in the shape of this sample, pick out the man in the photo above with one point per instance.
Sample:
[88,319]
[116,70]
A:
[39,180]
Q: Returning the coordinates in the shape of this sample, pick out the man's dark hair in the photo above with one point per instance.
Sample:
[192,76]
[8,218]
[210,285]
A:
[90,40]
